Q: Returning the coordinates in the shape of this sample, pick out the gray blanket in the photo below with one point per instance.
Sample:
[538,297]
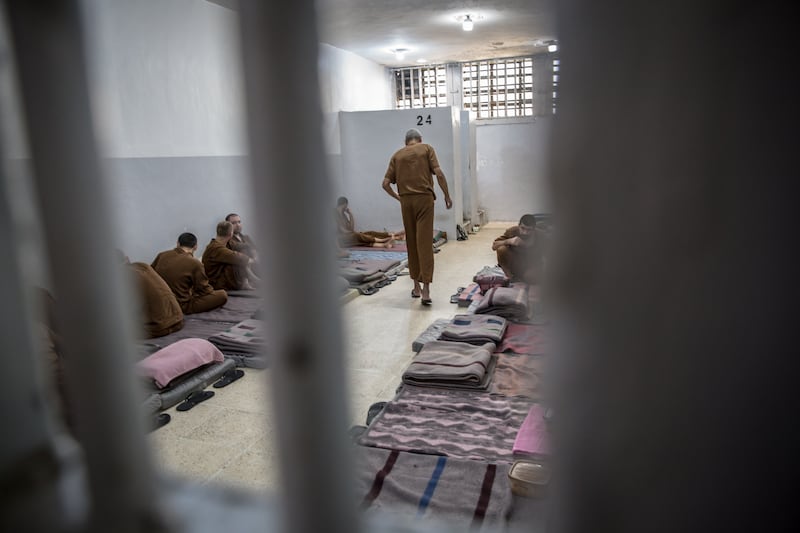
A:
[246,337]
[475,329]
[462,495]
[507,302]
[430,334]
[455,365]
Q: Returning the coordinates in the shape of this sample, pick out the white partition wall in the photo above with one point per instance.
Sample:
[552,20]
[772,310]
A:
[368,140]
[512,167]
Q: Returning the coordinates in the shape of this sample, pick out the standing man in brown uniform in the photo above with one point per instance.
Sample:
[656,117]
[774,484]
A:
[412,168]
[225,268]
[187,278]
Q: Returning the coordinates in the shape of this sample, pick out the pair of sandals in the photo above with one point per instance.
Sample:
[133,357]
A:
[202,395]
[424,301]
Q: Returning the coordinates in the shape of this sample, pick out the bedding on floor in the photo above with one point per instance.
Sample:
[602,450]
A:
[475,329]
[462,424]
[452,365]
[465,495]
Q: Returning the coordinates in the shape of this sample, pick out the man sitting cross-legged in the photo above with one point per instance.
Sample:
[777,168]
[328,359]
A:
[187,278]
[225,268]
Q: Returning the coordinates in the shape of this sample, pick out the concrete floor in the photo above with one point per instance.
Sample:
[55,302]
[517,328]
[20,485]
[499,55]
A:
[228,438]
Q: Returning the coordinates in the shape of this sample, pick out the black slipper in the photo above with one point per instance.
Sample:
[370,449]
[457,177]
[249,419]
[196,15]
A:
[414,294]
[159,421]
[229,377]
[427,302]
[195,398]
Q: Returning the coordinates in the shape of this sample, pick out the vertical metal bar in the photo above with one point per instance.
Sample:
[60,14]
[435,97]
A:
[89,287]
[291,191]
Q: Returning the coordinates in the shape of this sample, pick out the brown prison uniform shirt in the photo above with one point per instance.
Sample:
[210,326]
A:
[224,267]
[161,314]
[242,243]
[185,275]
[416,164]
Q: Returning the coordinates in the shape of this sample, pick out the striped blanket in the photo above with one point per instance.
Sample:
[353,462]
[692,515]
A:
[460,424]
[475,329]
[462,495]
[452,365]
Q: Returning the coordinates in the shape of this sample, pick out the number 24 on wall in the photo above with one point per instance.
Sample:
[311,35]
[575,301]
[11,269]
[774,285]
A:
[426,121]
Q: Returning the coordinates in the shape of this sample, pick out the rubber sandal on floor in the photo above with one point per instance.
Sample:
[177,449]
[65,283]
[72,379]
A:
[414,294]
[427,302]
[454,299]
[159,421]
[228,377]
[195,398]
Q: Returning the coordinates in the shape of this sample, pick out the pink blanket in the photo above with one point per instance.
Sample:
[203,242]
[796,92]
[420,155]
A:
[177,359]
[532,437]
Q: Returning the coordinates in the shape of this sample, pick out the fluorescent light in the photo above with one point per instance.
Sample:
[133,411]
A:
[467,24]
[400,53]
[553,47]
[421,60]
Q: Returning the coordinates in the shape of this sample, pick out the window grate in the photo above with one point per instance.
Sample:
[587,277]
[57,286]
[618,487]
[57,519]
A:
[498,87]
[421,87]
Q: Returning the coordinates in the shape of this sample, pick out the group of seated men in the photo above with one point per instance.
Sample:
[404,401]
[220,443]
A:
[176,283]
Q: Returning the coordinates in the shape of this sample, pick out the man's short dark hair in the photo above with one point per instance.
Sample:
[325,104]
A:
[341,201]
[188,240]
[230,215]
[527,220]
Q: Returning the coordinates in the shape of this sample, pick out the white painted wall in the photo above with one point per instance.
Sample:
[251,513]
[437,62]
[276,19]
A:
[167,97]
[166,78]
[368,140]
[511,166]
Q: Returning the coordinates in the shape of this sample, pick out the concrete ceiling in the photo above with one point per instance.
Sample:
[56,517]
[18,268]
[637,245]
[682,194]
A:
[431,29]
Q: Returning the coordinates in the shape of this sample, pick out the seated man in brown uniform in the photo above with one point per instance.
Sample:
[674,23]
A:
[239,241]
[519,251]
[187,278]
[348,236]
[160,313]
[227,269]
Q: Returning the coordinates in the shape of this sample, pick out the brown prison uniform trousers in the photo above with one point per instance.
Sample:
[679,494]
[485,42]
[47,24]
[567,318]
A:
[417,211]
[161,314]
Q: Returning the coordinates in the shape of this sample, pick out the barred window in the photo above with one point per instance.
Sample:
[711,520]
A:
[498,87]
[421,87]
[556,66]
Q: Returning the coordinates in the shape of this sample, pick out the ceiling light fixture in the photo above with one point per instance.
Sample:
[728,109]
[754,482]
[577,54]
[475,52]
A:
[421,60]
[552,47]
[400,53]
[467,24]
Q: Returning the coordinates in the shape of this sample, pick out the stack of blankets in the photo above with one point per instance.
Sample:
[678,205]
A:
[452,365]
[507,302]
[475,329]
[489,277]
[245,338]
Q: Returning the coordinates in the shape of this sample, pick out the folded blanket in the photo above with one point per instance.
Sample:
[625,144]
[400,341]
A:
[475,329]
[466,296]
[489,277]
[532,439]
[507,302]
[442,491]
[451,365]
[430,334]
[177,359]
[517,375]
[245,337]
